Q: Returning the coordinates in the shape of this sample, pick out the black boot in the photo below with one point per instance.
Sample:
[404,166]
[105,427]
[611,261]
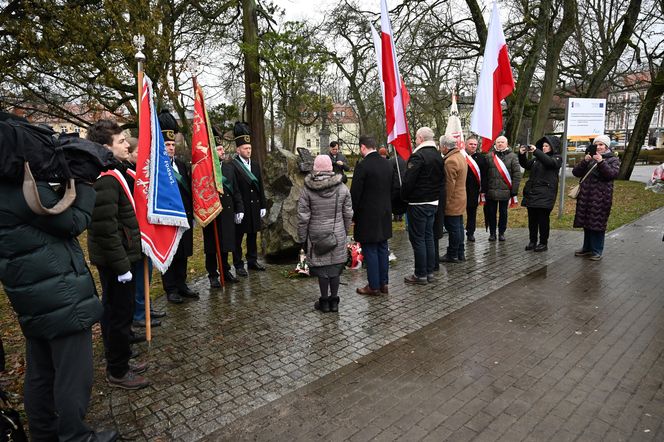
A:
[323,304]
[334,303]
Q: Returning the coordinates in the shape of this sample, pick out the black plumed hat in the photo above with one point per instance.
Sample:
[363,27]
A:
[242,133]
[169,126]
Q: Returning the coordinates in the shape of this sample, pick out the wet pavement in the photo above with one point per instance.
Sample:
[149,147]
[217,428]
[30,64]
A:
[512,344]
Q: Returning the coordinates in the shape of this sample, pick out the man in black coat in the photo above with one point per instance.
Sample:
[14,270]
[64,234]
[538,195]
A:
[422,185]
[339,161]
[174,279]
[372,213]
[250,185]
[233,210]
[475,182]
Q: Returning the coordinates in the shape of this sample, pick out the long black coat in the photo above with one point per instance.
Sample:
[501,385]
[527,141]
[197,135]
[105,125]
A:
[186,245]
[593,205]
[473,188]
[231,202]
[253,196]
[541,189]
[372,206]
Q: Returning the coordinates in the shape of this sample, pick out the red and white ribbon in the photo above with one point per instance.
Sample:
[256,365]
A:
[505,175]
[123,183]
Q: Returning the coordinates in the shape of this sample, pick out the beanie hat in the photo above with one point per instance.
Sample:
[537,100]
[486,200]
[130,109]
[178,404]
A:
[323,163]
[603,139]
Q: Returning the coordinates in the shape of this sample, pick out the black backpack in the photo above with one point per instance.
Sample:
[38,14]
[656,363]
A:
[22,142]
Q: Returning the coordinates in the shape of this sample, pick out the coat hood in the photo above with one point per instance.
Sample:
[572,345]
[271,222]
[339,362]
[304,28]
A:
[552,141]
[324,183]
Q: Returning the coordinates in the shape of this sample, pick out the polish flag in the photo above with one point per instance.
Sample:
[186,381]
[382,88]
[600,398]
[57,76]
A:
[395,95]
[496,83]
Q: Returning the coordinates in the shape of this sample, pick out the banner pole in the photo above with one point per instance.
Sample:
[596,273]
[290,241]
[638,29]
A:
[219,263]
[139,42]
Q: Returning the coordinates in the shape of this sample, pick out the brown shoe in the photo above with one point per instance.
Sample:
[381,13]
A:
[366,290]
[412,279]
[130,381]
[138,367]
[384,289]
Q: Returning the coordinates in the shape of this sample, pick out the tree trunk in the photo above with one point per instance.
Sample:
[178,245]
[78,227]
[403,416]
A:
[648,106]
[252,81]
[478,19]
[554,48]
[609,62]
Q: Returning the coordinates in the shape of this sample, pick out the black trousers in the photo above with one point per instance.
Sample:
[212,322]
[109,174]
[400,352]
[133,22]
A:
[471,220]
[252,249]
[118,301]
[211,264]
[539,220]
[58,383]
[491,209]
[175,278]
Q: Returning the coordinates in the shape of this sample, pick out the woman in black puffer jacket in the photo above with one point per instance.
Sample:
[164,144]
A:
[539,193]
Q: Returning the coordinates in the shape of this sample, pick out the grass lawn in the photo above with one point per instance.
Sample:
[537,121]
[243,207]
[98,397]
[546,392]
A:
[630,201]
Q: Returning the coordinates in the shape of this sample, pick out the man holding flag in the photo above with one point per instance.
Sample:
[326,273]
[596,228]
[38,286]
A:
[175,278]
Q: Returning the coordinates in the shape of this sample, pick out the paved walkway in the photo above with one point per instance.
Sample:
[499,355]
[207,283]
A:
[575,345]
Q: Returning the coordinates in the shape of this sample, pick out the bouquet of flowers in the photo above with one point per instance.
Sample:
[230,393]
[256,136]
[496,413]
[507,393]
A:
[355,257]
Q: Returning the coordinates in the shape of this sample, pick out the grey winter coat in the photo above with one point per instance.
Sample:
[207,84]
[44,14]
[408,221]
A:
[497,189]
[316,212]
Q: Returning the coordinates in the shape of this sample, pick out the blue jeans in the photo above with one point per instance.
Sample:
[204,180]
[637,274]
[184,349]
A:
[376,258]
[454,226]
[420,234]
[137,270]
[593,241]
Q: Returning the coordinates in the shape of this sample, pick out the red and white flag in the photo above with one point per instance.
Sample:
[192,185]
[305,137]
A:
[496,83]
[395,95]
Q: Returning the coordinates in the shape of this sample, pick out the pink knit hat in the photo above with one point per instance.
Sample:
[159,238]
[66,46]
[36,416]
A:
[323,163]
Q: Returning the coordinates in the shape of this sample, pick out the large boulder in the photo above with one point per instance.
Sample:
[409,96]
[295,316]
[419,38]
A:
[283,182]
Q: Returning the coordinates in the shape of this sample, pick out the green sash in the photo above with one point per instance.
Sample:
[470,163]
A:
[247,171]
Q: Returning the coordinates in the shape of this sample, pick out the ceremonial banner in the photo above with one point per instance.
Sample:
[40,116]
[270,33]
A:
[496,83]
[395,95]
[454,128]
[159,210]
[204,191]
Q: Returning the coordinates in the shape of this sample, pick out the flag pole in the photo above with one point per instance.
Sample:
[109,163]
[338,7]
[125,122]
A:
[139,42]
[219,263]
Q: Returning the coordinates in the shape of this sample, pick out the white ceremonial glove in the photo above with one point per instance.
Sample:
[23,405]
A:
[239,217]
[263,212]
[125,277]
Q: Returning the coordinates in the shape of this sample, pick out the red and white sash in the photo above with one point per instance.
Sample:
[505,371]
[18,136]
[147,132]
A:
[123,183]
[475,169]
[505,175]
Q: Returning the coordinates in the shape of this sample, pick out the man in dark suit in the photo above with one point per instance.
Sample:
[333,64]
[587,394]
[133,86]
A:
[175,278]
[233,210]
[372,208]
[339,161]
[476,178]
[250,185]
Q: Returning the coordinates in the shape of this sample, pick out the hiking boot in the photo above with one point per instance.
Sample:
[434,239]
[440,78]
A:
[130,381]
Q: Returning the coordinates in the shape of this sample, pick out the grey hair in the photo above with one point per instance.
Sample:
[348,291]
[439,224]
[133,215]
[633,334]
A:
[426,133]
[447,141]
